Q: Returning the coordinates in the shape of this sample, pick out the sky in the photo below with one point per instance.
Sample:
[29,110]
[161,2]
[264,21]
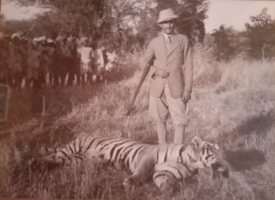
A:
[228,12]
[13,11]
[235,13]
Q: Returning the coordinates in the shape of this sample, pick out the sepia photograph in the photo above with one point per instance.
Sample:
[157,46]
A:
[137,99]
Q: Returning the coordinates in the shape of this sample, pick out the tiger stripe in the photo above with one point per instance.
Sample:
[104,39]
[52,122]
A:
[142,160]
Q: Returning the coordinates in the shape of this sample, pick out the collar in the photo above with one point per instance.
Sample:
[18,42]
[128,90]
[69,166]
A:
[166,35]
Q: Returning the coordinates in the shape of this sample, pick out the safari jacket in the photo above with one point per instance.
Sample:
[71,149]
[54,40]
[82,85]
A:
[178,62]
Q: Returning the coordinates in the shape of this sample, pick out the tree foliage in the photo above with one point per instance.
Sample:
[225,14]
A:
[192,14]
[112,21]
[72,17]
[258,41]
[120,19]
[120,22]
[228,43]
[221,44]
[261,37]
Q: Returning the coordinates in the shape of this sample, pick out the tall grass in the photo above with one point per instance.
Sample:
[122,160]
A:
[232,104]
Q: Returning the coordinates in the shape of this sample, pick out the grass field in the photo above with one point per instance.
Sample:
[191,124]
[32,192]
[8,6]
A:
[232,104]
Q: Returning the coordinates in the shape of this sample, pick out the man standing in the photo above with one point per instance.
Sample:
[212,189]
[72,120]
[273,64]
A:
[85,54]
[99,62]
[171,83]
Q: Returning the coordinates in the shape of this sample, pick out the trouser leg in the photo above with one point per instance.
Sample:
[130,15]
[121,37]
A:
[36,84]
[179,114]
[159,111]
[28,83]
[56,79]
[70,75]
[78,79]
[90,77]
[18,80]
[97,79]
[83,79]
[179,134]
[42,79]
[162,132]
[62,78]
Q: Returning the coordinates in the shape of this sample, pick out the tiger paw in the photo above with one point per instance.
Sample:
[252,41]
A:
[129,184]
[167,188]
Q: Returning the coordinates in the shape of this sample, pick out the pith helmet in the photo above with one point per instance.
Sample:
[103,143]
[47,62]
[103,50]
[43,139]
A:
[166,15]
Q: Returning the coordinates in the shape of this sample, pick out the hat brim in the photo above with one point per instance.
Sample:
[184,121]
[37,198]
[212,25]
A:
[167,19]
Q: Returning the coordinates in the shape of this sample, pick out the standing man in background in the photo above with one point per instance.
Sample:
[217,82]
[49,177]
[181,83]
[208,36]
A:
[171,83]
[85,54]
[65,59]
[99,63]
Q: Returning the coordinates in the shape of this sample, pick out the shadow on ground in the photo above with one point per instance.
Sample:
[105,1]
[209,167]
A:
[245,159]
[260,125]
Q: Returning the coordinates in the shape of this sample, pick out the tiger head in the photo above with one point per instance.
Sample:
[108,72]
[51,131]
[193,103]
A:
[208,155]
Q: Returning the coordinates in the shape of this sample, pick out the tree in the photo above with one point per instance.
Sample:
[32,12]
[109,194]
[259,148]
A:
[261,37]
[117,22]
[228,43]
[221,44]
[2,19]
[122,16]
[111,21]
[72,17]
[191,14]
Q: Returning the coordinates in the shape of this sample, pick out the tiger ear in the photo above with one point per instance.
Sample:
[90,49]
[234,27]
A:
[196,141]
[216,146]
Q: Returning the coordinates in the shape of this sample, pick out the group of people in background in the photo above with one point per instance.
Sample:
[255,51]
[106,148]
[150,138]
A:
[44,61]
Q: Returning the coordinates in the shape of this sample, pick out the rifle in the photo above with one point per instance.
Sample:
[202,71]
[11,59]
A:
[143,76]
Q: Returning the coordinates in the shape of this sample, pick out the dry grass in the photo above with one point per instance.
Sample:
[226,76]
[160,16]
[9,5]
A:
[233,104]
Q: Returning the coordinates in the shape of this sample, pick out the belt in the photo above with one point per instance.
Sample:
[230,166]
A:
[160,73]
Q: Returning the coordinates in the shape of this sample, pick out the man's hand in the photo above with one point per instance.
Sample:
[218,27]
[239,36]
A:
[162,73]
[186,96]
